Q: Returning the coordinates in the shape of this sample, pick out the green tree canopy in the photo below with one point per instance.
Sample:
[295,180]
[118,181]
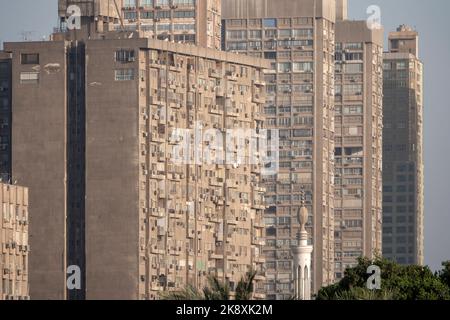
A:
[397,283]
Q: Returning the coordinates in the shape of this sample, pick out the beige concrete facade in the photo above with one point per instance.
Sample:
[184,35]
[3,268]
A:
[188,21]
[299,38]
[358,155]
[403,165]
[136,223]
[14,247]
[184,221]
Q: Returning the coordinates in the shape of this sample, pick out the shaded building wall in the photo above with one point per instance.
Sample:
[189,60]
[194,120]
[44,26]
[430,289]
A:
[358,119]
[403,173]
[39,153]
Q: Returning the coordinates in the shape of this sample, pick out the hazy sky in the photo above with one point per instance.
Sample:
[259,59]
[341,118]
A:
[429,17]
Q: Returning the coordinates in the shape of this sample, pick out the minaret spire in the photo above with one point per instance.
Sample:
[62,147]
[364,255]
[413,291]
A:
[302,256]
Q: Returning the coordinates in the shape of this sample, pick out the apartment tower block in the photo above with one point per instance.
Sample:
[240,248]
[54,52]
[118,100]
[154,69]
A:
[298,37]
[188,21]
[403,168]
[358,139]
[97,124]
[14,247]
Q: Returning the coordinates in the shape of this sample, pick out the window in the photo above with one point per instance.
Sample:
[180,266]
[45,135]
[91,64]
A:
[129,3]
[125,56]
[29,77]
[303,88]
[236,34]
[183,2]
[302,66]
[146,3]
[255,34]
[353,46]
[302,133]
[284,33]
[254,22]
[237,22]
[186,38]
[284,67]
[162,2]
[353,89]
[270,55]
[270,33]
[147,15]
[401,65]
[30,58]
[124,74]
[351,56]
[184,27]
[270,23]
[237,45]
[163,27]
[353,109]
[163,14]
[129,15]
[184,14]
[353,68]
[302,33]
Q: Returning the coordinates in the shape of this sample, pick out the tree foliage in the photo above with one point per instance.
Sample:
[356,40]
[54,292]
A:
[397,283]
[215,290]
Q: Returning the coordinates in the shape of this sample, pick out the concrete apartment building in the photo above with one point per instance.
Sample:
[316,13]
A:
[358,139]
[188,21]
[14,246]
[96,124]
[403,168]
[299,38]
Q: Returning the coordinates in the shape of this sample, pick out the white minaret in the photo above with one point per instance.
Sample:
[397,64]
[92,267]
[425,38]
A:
[302,259]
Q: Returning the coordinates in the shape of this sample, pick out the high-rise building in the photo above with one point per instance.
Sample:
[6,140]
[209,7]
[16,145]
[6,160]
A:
[189,21]
[100,136]
[403,195]
[88,18]
[14,246]
[299,39]
[358,139]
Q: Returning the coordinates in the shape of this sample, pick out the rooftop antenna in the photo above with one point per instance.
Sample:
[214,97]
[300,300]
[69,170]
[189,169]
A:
[120,15]
[26,35]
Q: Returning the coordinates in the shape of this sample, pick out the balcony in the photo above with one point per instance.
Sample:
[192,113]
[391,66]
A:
[258,241]
[216,255]
[213,73]
[259,205]
[220,92]
[216,109]
[157,175]
[216,182]
[259,83]
[157,138]
[155,101]
[258,98]
[232,112]
[232,76]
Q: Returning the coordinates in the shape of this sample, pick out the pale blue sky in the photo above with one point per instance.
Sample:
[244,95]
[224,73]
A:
[430,19]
